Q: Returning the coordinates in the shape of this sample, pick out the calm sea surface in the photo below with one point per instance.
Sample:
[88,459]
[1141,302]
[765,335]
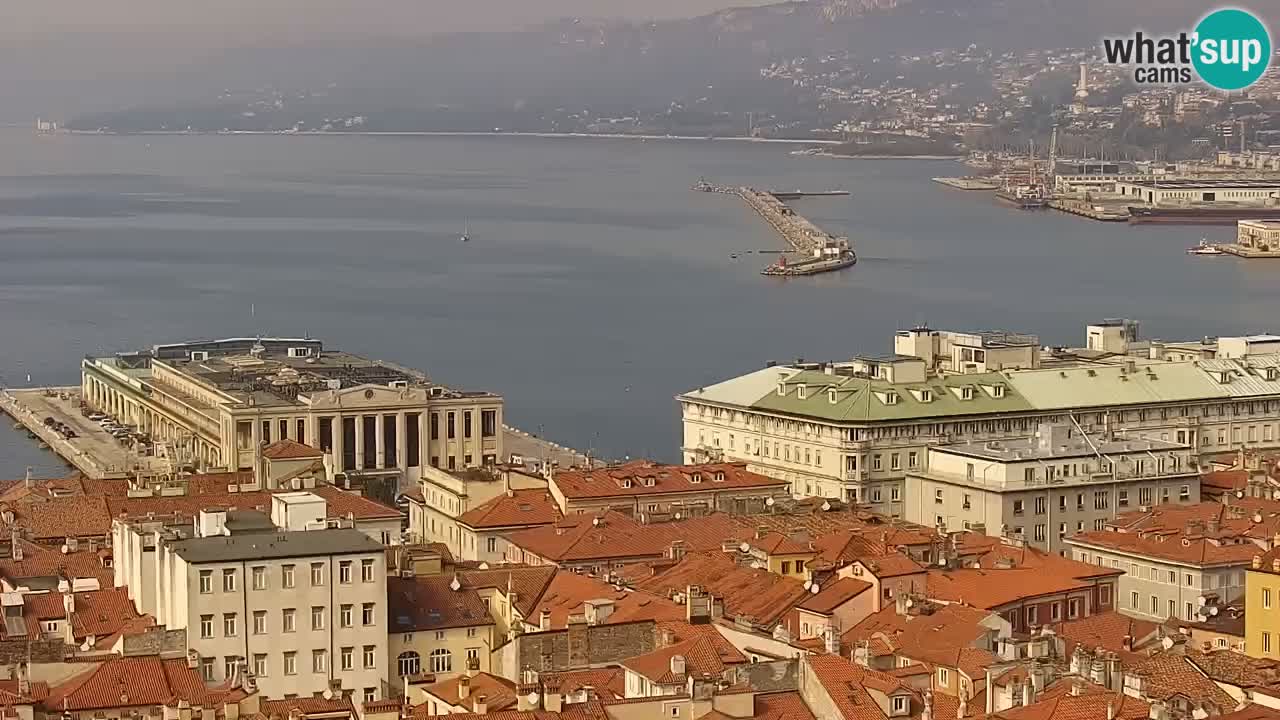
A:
[596,285]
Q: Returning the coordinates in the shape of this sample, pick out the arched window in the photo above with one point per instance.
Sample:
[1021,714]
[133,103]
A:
[409,663]
[441,661]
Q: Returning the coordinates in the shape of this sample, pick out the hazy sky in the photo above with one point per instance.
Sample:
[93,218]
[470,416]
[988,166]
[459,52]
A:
[238,19]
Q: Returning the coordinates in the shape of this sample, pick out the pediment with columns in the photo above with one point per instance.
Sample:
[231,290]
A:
[369,396]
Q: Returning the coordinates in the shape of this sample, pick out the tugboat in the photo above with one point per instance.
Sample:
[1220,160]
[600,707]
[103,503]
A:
[1204,248]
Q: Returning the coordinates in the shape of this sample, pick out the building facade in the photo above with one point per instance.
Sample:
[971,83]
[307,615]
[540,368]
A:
[854,430]
[1044,488]
[215,404]
[303,612]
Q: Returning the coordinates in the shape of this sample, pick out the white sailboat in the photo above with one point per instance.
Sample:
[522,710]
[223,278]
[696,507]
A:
[466,236]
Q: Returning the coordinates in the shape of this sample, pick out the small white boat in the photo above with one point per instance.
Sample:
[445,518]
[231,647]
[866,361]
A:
[1204,248]
[466,236]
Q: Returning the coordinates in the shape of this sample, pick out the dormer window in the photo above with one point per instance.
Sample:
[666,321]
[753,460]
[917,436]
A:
[1272,373]
[626,483]
[695,478]
[802,391]
[649,482]
[901,705]
[891,398]
[782,388]
[966,393]
[832,396]
[926,395]
[997,391]
[719,477]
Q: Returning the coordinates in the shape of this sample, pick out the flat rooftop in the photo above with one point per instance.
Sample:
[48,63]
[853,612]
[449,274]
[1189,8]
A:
[275,371]
[275,546]
[1206,183]
[1075,446]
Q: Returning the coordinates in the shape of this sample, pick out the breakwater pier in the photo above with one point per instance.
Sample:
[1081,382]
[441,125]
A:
[812,249]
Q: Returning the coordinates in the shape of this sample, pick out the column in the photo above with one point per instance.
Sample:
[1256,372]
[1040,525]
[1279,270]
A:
[338,436]
[402,442]
[380,441]
[359,442]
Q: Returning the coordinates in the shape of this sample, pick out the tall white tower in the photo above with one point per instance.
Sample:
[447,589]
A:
[1082,86]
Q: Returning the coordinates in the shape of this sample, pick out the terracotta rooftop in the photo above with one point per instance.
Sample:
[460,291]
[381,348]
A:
[44,561]
[96,613]
[746,592]
[834,594]
[848,685]
[308,706]
[132,681]
[432,603]
[992,588]
[578,711]
[642,477]
[499,693]
[1224,480]
[1235,668]
[704,650]
[1168,675]
[1094,702]
[892,565]
[770,706]
[343,503]
[10,696]
[608,683]
[567,592]
[527,582]
[936,634]
[519,508]
[290,450]
[1108,630]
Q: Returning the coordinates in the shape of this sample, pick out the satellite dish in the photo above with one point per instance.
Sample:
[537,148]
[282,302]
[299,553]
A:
[1202,601]
[768,501]
[595,521]
[1213,610]
[826,505]
[678,516]
[744,547]
[454,585]
[532,698]
[1239,493]
[1166,643]
[815,589]
[808,584]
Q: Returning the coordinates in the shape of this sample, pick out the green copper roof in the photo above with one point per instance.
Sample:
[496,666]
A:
[864,400]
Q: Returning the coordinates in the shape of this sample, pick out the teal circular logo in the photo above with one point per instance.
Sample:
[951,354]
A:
[1231,49]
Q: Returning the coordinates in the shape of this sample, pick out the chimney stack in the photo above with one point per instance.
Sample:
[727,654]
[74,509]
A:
[464,687]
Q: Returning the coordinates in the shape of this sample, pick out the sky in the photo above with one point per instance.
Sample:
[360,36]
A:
[234,21]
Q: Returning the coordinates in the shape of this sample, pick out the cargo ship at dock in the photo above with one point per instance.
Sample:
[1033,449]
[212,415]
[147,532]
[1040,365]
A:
[1023,197]
[1206,214]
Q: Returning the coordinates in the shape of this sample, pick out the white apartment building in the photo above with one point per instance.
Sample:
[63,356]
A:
[445,496]
[215,404]
[855,429]
[303,611]
[1044,488]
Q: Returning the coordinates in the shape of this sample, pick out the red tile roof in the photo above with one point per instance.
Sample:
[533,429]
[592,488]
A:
[1207,533]
[1167,675]
[499,693]
[892,565]
[432,603]
[608,683]
[997,583]
[946,635]
[1108,631]
[306,706]
[568,591]
[848,685]
[1224,480]
[584,538]
[702,655]
[834,594]
[748,593]
[519,508]
[634,478]
[132,681]
[343,503]
[1058,702]
[9,695]
[43,561]
[290,450]
[97,613]
[527,582]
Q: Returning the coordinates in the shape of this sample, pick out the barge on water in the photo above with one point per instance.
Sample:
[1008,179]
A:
[1217,213]
[1023,197]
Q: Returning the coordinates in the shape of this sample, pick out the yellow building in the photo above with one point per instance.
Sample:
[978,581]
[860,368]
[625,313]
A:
[436,626]
[784,555]
[1262,602]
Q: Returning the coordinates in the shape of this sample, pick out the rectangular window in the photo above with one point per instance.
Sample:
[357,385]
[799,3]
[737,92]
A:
[229,665]
[317,574]
[366,571]
[345,615]
[944,677]
[435,426]
[266,432]
[317,617]
[1266,598]
[895,493]
[259,577]
[284,429]
[348,659]
[895,463]
[344,572]
[288,617]
[1133,600]
[319,661]
[206,626]
[913,459]
[286,576]
[206,669]
[1155,605]
[229,625]
[291,663]
[786,567]
[259,622]
[366,614]
[370,656]
[301,430]
[206,581]
[260,664]
[1266,642]
[449,426]
[1073,608]
[466,424]
[488,423]
[1055,612]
